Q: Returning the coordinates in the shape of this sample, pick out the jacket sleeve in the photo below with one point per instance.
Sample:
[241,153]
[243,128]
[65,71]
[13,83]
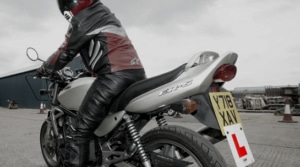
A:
[62,56]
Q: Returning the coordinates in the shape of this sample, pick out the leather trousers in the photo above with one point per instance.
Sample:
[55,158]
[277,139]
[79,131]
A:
[93,110]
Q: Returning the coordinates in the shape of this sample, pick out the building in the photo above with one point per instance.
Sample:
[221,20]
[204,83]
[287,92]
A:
[249,97]
[299,94]
[21,87]
[271,97]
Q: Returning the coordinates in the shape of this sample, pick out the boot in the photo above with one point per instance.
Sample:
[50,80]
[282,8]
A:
[76,148]
[79,153]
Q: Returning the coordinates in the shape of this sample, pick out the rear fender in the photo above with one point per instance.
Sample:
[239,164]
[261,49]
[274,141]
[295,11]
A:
[205,113]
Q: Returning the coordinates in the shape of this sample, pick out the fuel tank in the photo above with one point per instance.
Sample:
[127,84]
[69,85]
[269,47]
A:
[72,95]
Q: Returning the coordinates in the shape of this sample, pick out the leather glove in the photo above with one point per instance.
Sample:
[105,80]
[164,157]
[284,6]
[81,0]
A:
[42,72]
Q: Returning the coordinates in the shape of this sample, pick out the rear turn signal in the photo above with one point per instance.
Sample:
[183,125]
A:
[190,106]
[185,106]
[225,73]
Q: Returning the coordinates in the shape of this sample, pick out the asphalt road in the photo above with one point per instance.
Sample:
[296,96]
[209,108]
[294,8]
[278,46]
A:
[273,144]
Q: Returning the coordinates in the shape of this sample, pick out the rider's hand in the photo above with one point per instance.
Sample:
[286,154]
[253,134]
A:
[40,72]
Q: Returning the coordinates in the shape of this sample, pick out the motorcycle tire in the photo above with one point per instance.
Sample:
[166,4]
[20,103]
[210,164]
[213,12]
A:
[49,146]
[181,145]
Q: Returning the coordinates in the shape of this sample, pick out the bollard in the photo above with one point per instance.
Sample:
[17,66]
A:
[287,116]
[42,108]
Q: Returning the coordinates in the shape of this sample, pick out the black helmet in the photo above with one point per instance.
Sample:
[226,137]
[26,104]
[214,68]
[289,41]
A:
[70,8]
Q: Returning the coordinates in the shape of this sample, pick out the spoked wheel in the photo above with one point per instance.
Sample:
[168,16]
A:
[175,146]
[49,146]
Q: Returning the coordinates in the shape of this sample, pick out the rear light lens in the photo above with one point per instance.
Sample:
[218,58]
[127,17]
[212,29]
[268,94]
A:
[225,73]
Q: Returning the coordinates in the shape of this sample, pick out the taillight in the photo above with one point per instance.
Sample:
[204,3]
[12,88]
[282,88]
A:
[225,73]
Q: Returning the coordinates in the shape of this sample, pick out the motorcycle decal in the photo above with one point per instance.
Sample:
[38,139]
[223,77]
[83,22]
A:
[175,88]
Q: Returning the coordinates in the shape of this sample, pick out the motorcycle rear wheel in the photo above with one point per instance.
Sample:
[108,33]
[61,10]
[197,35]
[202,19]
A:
[49,146]
[185,145]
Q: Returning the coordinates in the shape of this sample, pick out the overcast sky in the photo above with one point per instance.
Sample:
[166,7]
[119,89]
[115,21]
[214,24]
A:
[166,33]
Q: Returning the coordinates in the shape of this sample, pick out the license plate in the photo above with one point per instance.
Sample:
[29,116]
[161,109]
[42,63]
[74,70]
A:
[225,109]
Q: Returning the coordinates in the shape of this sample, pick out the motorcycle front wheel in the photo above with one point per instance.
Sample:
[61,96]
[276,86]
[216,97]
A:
[49,146]
[180,147]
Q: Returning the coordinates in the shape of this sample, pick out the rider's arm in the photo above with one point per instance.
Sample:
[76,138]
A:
[62,56]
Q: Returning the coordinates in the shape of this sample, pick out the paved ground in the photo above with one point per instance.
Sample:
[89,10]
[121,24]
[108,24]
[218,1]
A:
[273,144]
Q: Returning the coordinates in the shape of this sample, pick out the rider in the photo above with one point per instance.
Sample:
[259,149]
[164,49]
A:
[99,37]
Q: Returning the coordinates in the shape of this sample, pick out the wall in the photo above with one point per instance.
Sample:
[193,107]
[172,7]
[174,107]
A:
[15,87]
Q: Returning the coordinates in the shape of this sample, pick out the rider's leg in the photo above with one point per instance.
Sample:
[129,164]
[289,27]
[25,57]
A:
[94,109]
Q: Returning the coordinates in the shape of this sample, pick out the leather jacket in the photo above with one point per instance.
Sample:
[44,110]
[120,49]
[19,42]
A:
[100,39]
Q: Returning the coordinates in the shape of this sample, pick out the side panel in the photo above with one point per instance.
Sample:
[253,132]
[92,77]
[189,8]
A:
[72,95]
[109,123]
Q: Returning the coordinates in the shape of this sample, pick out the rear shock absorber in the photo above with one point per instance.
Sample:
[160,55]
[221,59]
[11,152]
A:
[161,121]
[135,135]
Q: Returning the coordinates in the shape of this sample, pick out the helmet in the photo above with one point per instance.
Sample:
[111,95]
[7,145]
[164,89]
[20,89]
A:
[70,8]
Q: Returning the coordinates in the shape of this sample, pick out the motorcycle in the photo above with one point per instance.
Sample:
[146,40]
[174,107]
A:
[118,140]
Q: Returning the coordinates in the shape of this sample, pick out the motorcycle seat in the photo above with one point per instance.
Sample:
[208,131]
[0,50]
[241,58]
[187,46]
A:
[144,86]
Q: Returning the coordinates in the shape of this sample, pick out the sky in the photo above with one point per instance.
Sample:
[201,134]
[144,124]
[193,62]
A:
[167,33]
